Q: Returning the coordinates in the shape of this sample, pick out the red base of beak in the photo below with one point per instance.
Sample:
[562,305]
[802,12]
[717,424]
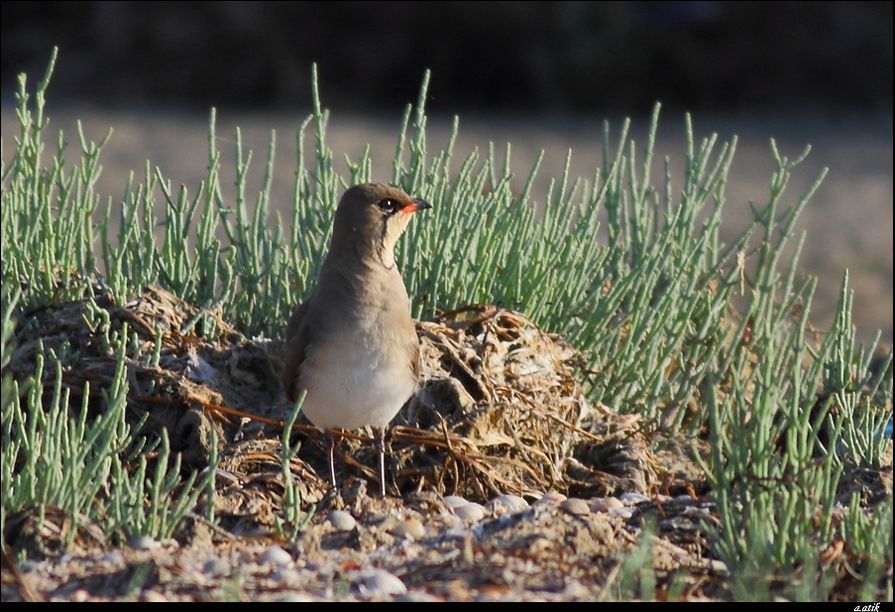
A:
[415,205]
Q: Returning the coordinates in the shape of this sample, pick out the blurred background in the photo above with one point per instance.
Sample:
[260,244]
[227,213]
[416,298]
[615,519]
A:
[525,56]
[542,75]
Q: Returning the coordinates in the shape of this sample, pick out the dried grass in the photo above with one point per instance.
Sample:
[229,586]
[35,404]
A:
[500,409]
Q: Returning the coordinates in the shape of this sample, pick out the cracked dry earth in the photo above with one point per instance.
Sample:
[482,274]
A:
[423,547]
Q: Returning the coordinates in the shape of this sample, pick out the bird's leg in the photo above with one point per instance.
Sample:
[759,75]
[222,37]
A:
[332,461]
[382,461]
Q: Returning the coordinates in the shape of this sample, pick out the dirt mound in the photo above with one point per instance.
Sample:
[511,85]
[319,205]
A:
[499,409]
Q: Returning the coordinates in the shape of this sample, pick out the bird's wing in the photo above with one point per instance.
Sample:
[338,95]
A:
[415,355]
[296,344]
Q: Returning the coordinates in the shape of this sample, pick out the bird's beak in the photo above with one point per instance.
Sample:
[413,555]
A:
[416,204]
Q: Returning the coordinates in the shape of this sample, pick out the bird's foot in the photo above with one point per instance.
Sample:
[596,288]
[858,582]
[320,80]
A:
[331,500]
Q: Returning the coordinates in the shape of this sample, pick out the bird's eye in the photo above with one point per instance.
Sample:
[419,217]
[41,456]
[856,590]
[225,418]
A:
[388,205]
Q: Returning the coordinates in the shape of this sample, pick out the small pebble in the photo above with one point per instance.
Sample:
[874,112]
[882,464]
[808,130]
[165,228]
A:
[605,504]
[284,575]
[507,503]
[575,589]
[453,501]
[625,513]
[380,582]
[341,520]
[80,595]
[575,506]
[411,528]
[470,512]
[551,498]
[144,542]
[295,597]
[632,498]
[274,555]
[153,596]
[417,597]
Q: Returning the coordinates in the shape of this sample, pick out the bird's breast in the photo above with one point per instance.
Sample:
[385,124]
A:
[357,377]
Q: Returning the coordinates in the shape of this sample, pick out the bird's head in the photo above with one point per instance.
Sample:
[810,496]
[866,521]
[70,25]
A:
[371,217]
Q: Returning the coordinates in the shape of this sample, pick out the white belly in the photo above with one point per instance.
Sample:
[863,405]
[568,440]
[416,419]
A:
[352,384]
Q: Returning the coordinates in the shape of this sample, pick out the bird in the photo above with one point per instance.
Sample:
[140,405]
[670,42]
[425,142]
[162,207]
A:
[352,347]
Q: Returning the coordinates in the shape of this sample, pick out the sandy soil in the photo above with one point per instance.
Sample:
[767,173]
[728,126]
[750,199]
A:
[415,549]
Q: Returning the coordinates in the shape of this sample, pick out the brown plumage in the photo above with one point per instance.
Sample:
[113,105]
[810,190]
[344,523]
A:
[352,345]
